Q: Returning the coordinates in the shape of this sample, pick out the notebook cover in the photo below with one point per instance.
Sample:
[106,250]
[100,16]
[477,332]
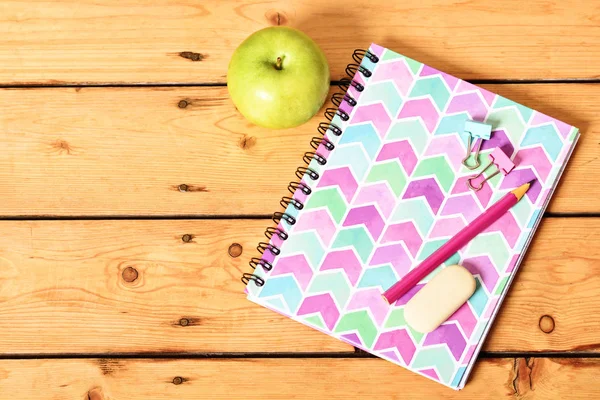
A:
[392,191]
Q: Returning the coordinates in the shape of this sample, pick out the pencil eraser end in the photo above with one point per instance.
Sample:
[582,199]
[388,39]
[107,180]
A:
[439,298]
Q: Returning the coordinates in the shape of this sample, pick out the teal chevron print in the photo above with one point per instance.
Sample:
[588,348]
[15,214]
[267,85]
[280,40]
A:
[392,191]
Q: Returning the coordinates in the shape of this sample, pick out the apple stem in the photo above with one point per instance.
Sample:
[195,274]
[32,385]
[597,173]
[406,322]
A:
[278,63]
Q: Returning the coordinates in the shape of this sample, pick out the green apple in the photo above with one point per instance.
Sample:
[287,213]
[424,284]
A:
[278,78]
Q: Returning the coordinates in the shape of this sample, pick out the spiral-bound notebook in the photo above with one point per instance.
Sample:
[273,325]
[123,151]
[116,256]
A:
[384,188]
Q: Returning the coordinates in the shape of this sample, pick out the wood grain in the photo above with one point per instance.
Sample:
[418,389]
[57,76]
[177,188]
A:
[137,287]
[113,379]
[186,41]
[126,151]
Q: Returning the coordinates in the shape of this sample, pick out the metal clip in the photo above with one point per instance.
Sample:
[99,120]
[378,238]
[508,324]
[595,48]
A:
[477,130]
[502,163]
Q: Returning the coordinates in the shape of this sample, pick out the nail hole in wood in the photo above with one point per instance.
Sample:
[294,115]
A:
[187,238]
[182,104]
[235,250]
[184,322]
[546,323]
[129,274]
[183,187]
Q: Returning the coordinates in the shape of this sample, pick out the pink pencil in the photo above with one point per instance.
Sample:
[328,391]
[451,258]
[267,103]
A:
[463,237]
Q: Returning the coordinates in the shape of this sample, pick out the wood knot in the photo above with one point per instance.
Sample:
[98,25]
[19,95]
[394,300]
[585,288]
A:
[129,274]
[190,55]
[546,323]
[247,142]
[182,104]
[95,394]
[183,187]
[187,238]
[276,18]
[190,188]
[178,380]
[184,322]
[235,250]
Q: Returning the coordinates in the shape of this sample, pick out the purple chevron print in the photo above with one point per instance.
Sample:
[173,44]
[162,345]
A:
[295,265]
[399,340]
[322,304]
[370,299]
[427,188]
[378,193]
[341,177]
[482,266]
[402,151]
[470,103]
[394,254]
[423,108]
[409,295]
[320,221]
[449,79]
[368,216]
[540,119]
[345,260]
[375,114]
[353,339]
[404,232]
[519,176]
[430,372]
[451,336]
[498,139]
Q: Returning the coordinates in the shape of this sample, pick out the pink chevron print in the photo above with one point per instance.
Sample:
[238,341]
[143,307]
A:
[535,157]
[378,193]
[449,145]
[396,71]
[470,103]
[395,255]
[371,300]
[451,336]
[447,227]
[401,151]
[341,177]
[398,340]
[295,265]
[367,215]
[541,119]
[464,86]
[375,114]
[345,260]
[508,226]
[430,373]
[450,80]
[322,304]
[404,232]
[513,263]
[465,318]
[320,221]
[423,108]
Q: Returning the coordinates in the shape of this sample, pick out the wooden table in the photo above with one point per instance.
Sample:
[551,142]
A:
[133,195]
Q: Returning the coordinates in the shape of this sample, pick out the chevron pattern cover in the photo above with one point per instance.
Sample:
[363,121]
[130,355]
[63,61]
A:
[392,191]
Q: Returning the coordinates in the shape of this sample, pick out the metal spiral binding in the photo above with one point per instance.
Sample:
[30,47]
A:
[324,129]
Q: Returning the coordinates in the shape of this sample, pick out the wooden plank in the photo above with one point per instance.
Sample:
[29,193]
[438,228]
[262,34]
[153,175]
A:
[125,151]
[118,41]
[108,379]
[136,286]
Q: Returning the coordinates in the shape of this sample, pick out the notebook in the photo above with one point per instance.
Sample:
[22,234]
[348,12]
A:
[383,189]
